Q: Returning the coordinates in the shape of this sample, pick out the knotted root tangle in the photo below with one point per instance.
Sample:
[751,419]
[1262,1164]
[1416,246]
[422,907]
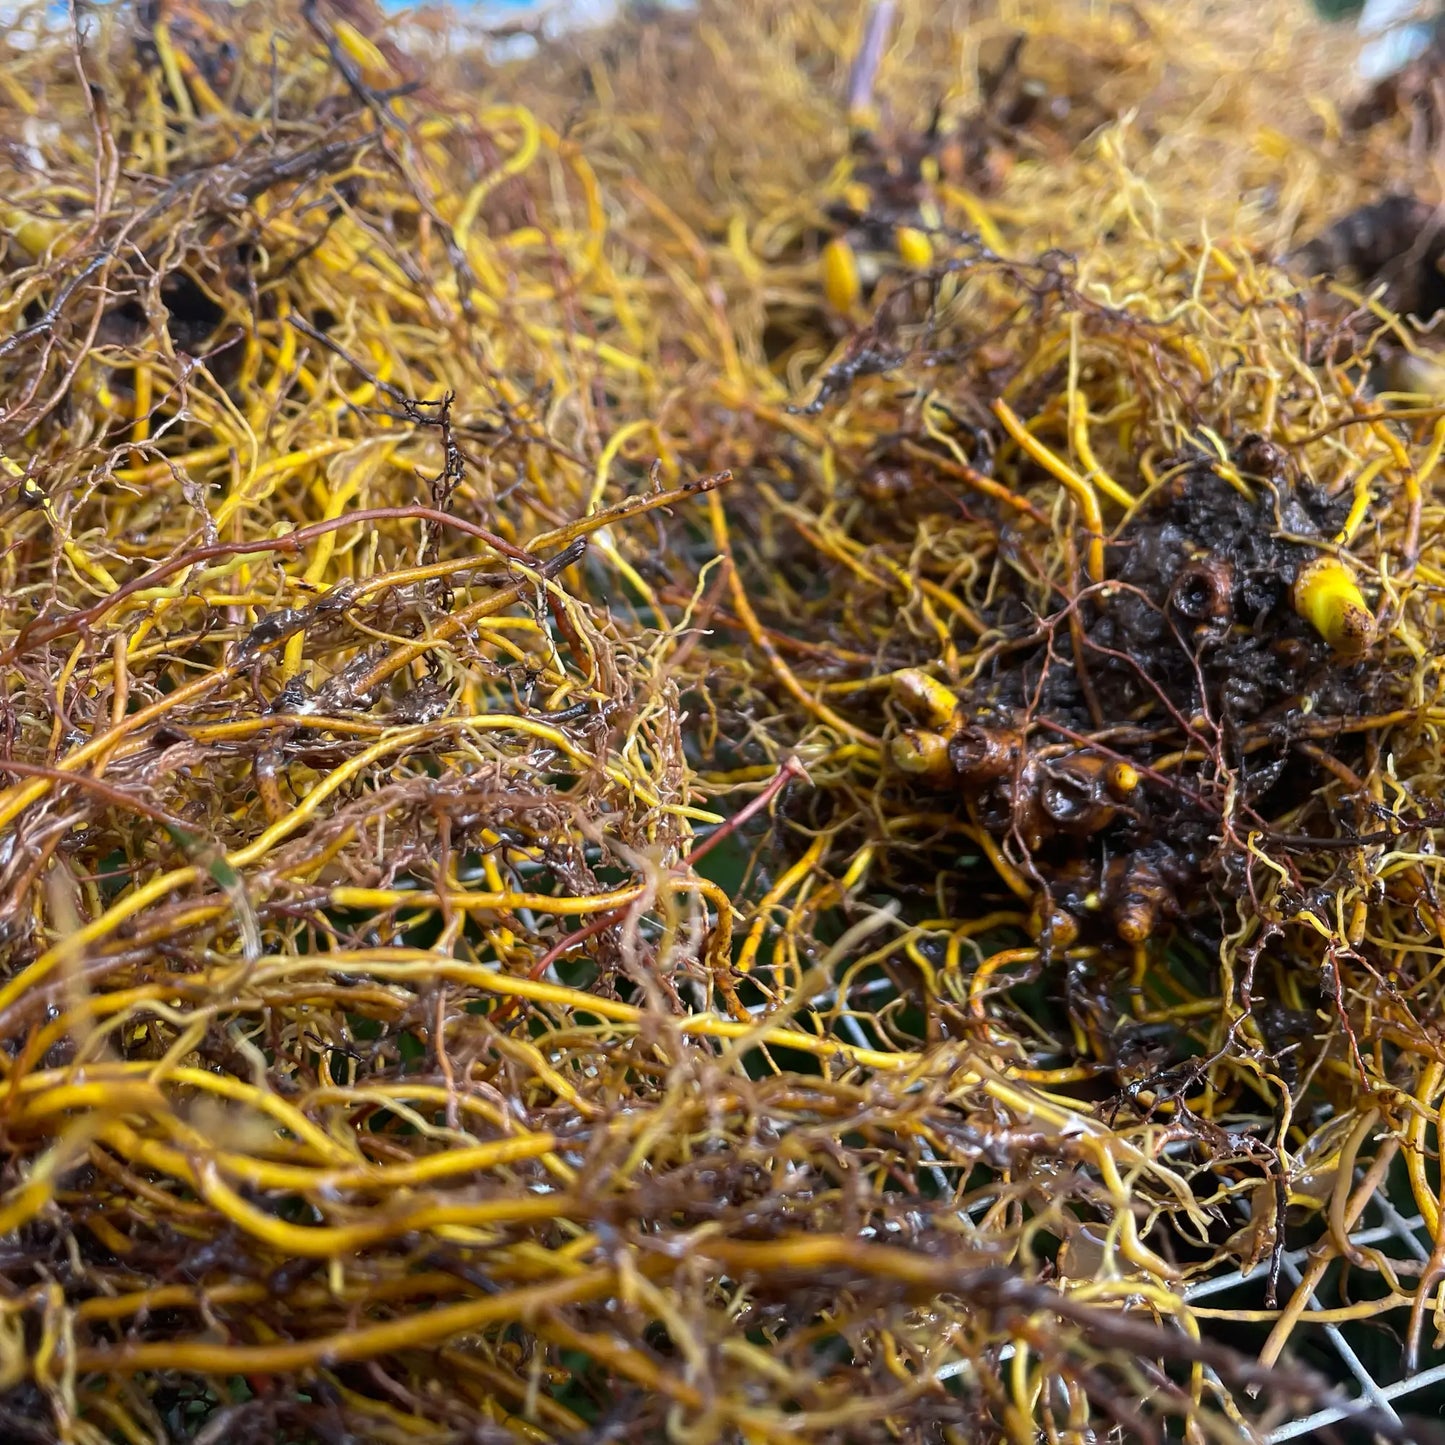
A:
[681,765]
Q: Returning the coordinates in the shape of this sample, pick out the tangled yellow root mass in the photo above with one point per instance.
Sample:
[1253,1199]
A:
[674,771]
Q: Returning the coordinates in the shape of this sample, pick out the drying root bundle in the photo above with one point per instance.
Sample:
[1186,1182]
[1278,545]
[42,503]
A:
[680,765]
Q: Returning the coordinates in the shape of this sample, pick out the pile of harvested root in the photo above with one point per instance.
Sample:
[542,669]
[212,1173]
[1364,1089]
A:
[731,734]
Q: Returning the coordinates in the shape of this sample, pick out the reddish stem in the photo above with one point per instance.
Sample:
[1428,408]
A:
[790,770]
[785,774]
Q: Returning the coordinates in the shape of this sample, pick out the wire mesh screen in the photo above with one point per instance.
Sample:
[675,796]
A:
[1376,1385]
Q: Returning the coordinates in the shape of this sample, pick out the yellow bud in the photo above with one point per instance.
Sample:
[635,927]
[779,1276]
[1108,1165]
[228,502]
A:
[1359,917]
[1135,921]
[842,284]
[921,755]
[914,247]
[1122,778]
[857,196]
[33,234]
[363,51]
[1327,596]
[1052,926]
[925,697]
